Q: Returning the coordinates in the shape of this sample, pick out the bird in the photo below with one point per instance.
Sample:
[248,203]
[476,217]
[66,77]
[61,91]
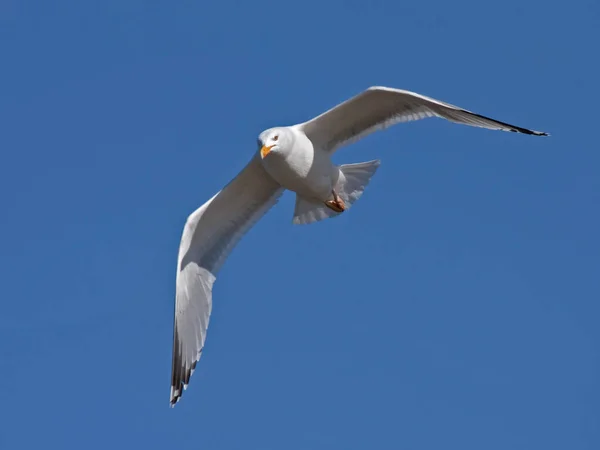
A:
[295,158]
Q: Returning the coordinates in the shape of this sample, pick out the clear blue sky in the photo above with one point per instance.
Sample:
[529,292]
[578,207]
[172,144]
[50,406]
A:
[455,307]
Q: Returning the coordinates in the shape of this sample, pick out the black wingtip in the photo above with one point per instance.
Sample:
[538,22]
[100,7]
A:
[515,129]
[180,374]
[526,131]
[509,127]
[538,133]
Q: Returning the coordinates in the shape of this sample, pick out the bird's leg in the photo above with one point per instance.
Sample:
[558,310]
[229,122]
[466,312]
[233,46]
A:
[337,204]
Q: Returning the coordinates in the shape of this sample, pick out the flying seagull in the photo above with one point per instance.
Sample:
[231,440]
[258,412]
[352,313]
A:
[297,158]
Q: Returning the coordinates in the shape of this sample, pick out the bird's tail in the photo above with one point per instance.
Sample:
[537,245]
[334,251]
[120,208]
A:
[352,182]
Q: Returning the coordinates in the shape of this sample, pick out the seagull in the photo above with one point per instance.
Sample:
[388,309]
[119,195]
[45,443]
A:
[297,158]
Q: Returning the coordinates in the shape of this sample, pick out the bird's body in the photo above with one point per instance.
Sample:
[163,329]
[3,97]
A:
[296,158]
[301,168]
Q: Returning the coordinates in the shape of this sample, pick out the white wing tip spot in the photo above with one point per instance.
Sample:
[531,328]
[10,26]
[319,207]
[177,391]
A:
[175,396]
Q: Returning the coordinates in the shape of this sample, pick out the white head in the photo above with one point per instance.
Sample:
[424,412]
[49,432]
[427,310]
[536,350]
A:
[275,140]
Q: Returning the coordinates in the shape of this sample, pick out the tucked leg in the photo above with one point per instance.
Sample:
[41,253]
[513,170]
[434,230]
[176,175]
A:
[337,204]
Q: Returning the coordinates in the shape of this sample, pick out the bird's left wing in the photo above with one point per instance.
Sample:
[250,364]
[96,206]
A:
[379,107]
[209,235]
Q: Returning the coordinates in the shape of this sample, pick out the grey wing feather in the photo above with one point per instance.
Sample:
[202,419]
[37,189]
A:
[380,107]
[209,235]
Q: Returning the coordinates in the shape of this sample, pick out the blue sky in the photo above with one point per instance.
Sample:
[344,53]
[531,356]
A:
[455,306]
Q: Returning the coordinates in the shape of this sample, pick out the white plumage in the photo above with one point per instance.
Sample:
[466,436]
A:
[295,158]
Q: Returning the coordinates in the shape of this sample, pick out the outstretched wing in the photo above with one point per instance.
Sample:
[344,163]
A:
[209,235]
[380,107]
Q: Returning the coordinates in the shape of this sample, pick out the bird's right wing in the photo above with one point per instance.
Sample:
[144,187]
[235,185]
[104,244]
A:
[380,107]
[209,235]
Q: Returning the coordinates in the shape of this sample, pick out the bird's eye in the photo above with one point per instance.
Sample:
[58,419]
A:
[275,138]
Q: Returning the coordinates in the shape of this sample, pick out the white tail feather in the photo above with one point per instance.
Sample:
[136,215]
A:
[351,184]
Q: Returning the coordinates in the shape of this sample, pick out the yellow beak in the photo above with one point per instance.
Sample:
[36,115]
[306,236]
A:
[264,151]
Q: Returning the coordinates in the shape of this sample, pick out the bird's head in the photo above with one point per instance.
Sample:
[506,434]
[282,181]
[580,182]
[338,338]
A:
[273,140]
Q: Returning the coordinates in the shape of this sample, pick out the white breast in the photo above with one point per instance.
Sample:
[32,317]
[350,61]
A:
[302,169]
